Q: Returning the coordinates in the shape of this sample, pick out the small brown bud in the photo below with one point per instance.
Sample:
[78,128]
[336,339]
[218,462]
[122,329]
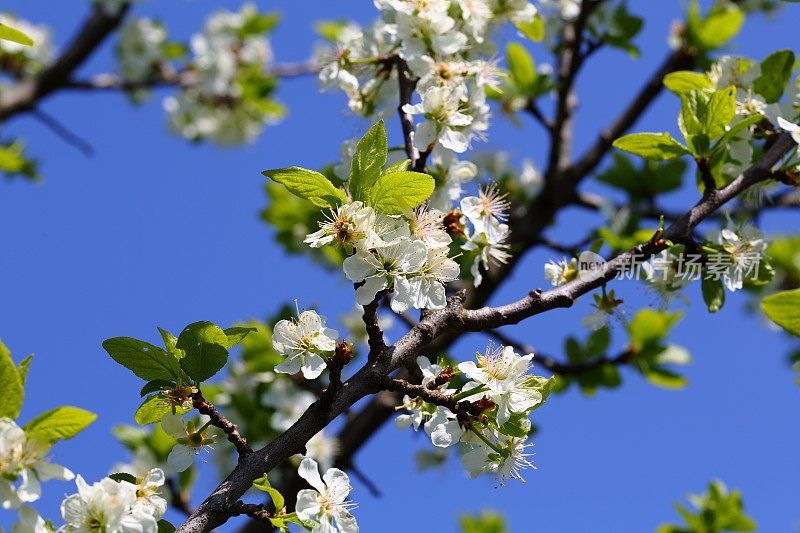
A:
[478,407]
[343,353]
[454,223]
[443,378]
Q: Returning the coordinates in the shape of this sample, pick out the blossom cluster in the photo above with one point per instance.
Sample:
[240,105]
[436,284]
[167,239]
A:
[23,466]
[492,424]
[18,60]
[116,506]
[443,44]
[140,50]
[742,73]
[228,102]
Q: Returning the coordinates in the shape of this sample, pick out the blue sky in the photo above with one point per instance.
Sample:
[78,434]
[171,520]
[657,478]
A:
[155,231]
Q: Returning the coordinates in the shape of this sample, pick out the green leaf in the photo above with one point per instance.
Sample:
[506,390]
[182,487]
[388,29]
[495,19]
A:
[123,477]
[23,368]
[156,385]
[11,391]
[653,146]
[776,70]
[61,423]
[153,409]
[397,167]
[521,68]
[169,339]
[263,485]
[516,426]
[649,326]
[783,308]
[720,113]
[235,335]
[11,34]
[713,294]
[165,527]
[143,359]
[684,81]
[533,30]
[397,192]
[667,379]
[486,522]
[368,160]
[720,25]
[205,345]
[307,184]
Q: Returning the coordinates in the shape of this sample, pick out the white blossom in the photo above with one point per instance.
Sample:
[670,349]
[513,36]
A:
[745,246]
[558,272]
[23,465]
[388,267]
[107,506]
[289,402]
[441,107]
[303,343]
[507,464]
[139,51]
[502,375]
[349,225]
[327,501]
[30,522]
[425,290]
[28,59]
[192,437]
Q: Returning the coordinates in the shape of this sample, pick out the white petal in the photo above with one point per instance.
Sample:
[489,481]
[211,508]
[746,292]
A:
[307,506]
[313,366]
[309,470]
[181,457]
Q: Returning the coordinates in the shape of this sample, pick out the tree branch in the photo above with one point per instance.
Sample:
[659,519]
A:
[24,95]
[230,429]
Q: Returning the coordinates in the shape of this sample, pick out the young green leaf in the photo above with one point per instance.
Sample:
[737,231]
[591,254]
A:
[11,391]
[165,527]
[153,409]
[396,192]
[143,359]
[533,30]
[368,160]
[521,68]
[684,81]
[61,423]
[652,146]
[205,345]
[720,25]
[776,70]
[783,308]
[123,477]
[169,339]
[263,484]
[720,112]
[235,335]
[650,326]
[23,368]
[713,294]
[12,34]
[308,184]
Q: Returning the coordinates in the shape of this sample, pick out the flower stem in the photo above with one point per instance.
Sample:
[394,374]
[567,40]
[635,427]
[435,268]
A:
[471,392]
[489,443]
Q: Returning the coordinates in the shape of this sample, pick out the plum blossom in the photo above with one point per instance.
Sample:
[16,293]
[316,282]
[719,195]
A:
[327,501]
[192,436]
[21,59]
[441,106]
[107,506]
[303,342]
[502,375]
[139,50]
[23,465]
[560,272]
[349,225]
[30,522]
[506,459]
[745,247]
[388,267]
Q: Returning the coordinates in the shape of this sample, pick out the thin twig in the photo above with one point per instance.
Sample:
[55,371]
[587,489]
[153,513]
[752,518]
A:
[64,133]
[230,429]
